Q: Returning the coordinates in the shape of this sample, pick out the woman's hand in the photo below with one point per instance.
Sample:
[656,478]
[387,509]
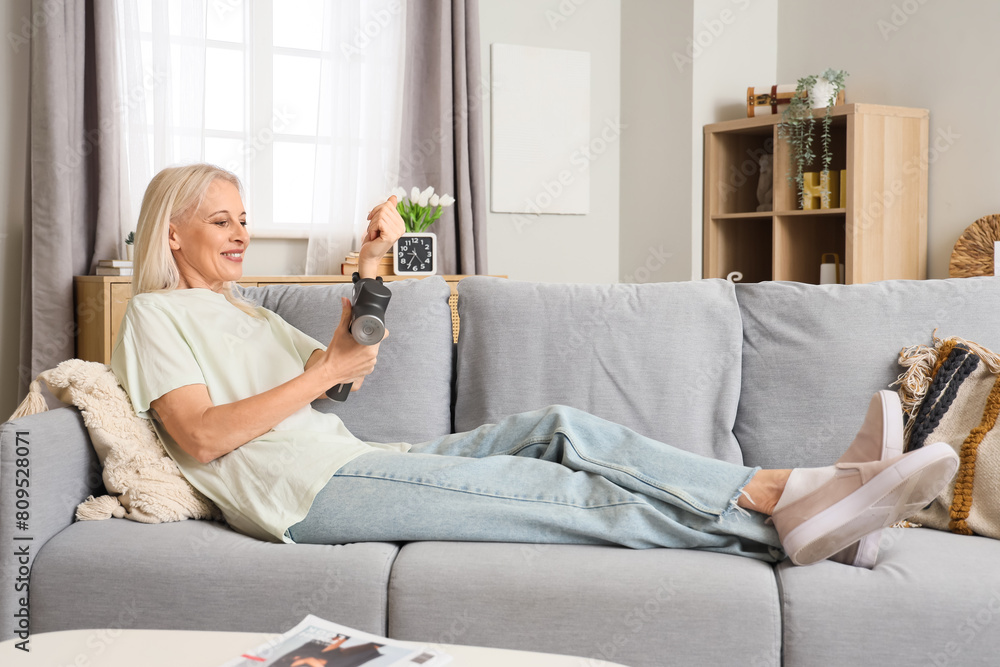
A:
[385,225]
[345,360]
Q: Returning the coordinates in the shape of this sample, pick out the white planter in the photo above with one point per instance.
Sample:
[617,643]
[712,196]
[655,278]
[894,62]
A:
[128,252]
[820,94]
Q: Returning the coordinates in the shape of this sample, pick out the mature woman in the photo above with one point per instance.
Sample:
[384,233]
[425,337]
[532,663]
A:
[228,386]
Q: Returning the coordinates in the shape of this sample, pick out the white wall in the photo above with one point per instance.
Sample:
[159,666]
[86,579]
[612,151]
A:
[656,149]
[941,56]
[13,163]
[685,63]
[562,248]
[275,257]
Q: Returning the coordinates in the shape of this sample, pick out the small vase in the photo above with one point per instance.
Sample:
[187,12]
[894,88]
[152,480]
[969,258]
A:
[128,251]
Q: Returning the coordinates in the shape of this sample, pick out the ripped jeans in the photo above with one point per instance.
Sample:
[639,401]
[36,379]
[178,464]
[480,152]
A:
[556,475]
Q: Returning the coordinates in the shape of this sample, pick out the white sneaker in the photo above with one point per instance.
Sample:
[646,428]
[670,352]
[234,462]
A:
[879,439]
[856,499]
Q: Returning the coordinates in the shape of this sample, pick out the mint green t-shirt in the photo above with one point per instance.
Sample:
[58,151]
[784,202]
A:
[195,336]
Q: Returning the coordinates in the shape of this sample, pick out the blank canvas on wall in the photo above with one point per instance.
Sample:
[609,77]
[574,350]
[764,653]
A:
[540,119]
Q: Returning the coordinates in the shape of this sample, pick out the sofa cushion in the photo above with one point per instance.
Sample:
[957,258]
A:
[646,607]
[200,575]
[662,359]
[408,396]
[933,598]
[813,355]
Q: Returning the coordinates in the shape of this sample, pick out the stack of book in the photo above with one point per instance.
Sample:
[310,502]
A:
[114,267]
[350,264]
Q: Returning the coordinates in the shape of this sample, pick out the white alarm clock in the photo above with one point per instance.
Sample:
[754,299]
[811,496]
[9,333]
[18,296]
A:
[415,254]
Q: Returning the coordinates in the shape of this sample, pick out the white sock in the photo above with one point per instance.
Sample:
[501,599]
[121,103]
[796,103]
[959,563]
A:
[803,481]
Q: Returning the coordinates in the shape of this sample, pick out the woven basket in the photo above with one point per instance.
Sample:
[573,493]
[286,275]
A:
[973,253]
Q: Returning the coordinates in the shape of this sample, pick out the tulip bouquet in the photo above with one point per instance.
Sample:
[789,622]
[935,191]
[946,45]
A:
[421,209]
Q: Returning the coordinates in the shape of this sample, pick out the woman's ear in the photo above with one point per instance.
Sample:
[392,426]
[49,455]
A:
[173,238]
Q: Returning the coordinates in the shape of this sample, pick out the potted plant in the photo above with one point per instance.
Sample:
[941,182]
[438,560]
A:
[815,91]
[415,253]
[129,245]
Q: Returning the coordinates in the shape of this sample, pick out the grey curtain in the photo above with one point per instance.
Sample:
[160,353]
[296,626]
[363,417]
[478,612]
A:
[74,184]
[442,134]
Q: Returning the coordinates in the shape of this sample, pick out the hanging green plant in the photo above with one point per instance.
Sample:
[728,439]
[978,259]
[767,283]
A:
[798,121]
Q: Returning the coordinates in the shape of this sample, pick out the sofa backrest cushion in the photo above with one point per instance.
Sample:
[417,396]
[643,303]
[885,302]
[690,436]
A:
[662,359]
[408,396]
[813,355]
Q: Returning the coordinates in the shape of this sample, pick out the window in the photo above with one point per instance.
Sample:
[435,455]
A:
[279,92]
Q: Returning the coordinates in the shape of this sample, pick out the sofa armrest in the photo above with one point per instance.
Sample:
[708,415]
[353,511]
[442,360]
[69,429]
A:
[47,467]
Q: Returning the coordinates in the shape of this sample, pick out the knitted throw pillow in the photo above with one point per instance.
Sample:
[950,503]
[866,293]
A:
[951,392]
[144,482]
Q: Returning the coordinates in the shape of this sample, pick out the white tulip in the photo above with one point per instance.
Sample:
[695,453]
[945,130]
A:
[425,197]
[447,200]
[414,194]
[434,200]
[399,192]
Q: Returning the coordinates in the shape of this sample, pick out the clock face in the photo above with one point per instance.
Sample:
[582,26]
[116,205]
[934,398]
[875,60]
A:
[415,254]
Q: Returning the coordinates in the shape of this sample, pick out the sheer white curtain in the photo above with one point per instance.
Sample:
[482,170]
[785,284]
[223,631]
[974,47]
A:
[163,87]
[361,89]
[301,98]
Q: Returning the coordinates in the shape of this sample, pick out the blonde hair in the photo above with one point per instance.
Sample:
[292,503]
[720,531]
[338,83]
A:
[171,196]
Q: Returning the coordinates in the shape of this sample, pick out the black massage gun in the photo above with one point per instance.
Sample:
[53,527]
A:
[368,304]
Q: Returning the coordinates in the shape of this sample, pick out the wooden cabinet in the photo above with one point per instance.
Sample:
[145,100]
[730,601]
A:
[881,232]
[101,302]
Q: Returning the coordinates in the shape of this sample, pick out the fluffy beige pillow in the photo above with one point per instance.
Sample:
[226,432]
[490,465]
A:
[144,481]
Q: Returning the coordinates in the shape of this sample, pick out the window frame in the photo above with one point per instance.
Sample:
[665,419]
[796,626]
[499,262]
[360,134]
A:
[258,137]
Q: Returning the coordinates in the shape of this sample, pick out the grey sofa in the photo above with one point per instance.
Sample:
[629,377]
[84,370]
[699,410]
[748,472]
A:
[774,374]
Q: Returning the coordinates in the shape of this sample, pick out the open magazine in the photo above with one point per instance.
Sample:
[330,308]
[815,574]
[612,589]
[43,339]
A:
[318,643]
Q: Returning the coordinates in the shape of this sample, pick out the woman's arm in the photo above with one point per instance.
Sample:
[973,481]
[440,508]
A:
[207,431]
[385,225]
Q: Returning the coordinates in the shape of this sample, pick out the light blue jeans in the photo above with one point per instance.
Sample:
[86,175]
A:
[556,475]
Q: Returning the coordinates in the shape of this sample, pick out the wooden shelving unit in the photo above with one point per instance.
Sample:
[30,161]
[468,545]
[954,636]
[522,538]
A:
[880,234]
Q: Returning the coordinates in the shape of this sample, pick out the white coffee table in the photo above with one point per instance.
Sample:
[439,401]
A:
[188,648]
